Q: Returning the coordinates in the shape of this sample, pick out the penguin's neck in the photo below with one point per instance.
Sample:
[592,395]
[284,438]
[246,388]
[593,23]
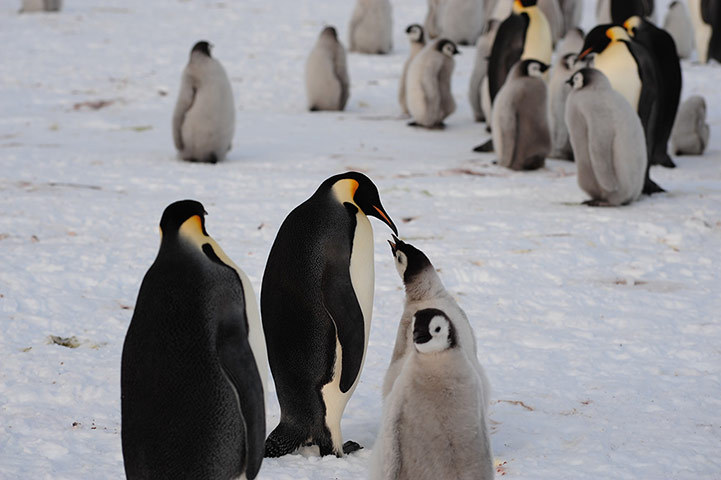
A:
[425,285]
[539,42]
[618,64]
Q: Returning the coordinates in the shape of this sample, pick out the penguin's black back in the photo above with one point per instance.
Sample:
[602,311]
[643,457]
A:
[180,415]
[506,50]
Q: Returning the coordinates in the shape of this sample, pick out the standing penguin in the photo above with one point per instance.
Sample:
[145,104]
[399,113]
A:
[690,133]
[608,140]
[434,422]
[193,361]
[428,85]
[521,136]
[572,14]
[204,117]
[371,27]
[424,289]
[41,6]
[558,94]
[461,21]
[668,66]
[326,73]
[617,11]
[632,72]
[706,19]
[430,25]
[316,303]
[553,13]
[478,87]
[678,25]
[418,41]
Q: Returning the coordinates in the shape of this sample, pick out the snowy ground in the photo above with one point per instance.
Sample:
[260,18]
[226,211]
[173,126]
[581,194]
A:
[600,329]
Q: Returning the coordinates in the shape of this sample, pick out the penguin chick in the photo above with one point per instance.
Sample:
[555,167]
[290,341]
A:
[326,74]
[428,85]
[193,361]
[417,40]
[41,6]
[461,21]
[607,139]
[572,42]
[558,93]
[478,87]
[678,24]
[204,117]
[371,27]
[424,289]
[690,132]
[434,422]
[521,135]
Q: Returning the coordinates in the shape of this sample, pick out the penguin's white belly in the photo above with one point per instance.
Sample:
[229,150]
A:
[414,89]
[539,40]
[701,29]
[362,275]
[617,63]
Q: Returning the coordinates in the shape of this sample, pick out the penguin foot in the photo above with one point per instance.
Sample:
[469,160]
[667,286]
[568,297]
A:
[486,147]
[597,203]
[350,446]
[664,160]
[282,441]
[650,187]
[414,124]
[313,109]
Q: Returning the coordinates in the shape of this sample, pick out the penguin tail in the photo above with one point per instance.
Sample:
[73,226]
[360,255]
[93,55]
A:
[283,440]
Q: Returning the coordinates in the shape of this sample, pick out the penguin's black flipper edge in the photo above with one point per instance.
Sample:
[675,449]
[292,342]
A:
[342,305]
[236,358]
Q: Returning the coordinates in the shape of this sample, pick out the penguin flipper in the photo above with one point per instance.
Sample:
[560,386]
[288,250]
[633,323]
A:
[506,51]
[238,362]
[600,150]
[342,305]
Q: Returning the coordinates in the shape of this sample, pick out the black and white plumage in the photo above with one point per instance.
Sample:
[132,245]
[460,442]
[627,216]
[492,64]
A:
[193,362]
[618,11]
[428,84]
[204,116]
[434,422]
[327,83]
[706,19]
[478,93]
[678,24]
[417,39]
[317,303]
[691,132]
[371,27]
[607,139]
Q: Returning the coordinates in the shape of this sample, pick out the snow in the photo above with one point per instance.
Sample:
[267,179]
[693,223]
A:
[599,328]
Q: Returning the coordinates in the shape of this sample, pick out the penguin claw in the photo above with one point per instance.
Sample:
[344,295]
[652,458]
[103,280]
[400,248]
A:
[350,446]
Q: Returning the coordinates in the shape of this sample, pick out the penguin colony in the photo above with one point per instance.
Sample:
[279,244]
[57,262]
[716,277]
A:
[193,401]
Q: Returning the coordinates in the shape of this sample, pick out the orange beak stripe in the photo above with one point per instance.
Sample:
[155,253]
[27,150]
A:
[388,220]
[585,52]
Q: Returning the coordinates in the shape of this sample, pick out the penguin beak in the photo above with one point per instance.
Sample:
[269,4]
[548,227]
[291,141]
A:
[394,244]
[421,337]
[383,216]
[570,81]
[544,67]
[584,54]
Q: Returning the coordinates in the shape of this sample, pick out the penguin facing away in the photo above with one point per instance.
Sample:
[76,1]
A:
[326,73]
[417,40]
[204,116]
[521,135]
[316,303]
[41,6]
[461,21]
[436,401]
[706,19]
[371,27]
[428,85]
[607,139]
[193,361]
[478,87]
[678,24]
[558,94]
[691,132]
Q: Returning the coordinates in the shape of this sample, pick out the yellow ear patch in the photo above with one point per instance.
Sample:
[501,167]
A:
[631,23]
[517,6]
[345,189]
[192,229]
[617,34]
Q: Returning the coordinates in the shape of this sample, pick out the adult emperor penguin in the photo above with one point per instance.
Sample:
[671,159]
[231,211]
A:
[316,301]
[461,21]
[632,72]
[326,73]
[41,6]
[204,117]
[608,140]
[417,40]
[193,361]
[434,422]
[617,11]
[371,27]
[668,66]
[706,19]
[678,24]
[521,135]
[690,133]
[478,87]
[428,85]
[424,289]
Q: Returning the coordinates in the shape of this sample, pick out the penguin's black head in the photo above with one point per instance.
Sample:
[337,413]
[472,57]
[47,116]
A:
[202,47]
[587,77]
[408,259]
[433,331]
[415,33]
[532,68]
[447,47]
[632,25]
[358,189]
[330,32]
[569,61]
[176,214]
[598,39]
[621,10]
[520,5]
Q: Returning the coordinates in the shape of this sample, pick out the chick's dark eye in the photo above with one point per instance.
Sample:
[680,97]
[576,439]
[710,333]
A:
[438,329]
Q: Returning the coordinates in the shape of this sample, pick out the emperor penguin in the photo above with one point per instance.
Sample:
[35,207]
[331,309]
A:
[617,11]
[668,66]
[417,40]
[572,14]
[552,11]
[630,68]
[326,74]
[41,6]
[607,139]
[691,132]
[193,361]
[434,423]
[371,27]
[204,116]
[428,85]
[478,87]
[706,19]
[424,289]
[521,135]
[678,24]
[316,302]
[461,21]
